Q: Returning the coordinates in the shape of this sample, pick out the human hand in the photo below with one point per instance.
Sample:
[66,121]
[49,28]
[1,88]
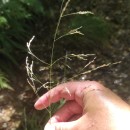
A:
[89,106]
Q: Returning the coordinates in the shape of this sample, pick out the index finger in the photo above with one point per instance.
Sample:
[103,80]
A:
[69,91]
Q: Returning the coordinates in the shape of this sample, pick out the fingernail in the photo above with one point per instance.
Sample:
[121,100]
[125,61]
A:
[49,127]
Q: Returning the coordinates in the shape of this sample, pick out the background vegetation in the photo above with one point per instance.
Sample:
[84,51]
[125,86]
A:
[18,21]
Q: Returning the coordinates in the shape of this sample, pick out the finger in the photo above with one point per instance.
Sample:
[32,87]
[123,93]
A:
[69,110]
[69,91]
[66,90]
[62,126]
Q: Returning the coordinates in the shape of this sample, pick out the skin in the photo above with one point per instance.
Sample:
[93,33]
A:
[89,106]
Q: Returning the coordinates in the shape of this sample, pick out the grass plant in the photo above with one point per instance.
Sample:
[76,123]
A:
[33,79]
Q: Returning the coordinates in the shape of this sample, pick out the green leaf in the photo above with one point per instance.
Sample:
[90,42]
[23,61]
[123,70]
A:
[3,21]
[4,82]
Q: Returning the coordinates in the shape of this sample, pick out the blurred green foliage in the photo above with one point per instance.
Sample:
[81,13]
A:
[4,82]
[16,20]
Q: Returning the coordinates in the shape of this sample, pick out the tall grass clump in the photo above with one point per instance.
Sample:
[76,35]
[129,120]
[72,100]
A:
[63,61]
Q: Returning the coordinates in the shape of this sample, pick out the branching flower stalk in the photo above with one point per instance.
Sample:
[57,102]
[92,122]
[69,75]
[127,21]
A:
[71,32]
[55,36]
[32,78]
[54,40]
[31,53]
[50,65]
[94,69]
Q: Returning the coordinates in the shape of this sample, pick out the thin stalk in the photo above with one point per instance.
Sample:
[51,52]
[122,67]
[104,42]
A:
[54,40]
[94,69]
[25,119]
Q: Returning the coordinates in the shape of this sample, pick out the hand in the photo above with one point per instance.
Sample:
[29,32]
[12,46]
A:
[89,106]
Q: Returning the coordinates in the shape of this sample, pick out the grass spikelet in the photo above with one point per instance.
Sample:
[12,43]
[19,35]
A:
[79,13]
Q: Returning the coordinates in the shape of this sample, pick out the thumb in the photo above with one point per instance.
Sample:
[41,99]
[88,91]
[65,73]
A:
[61,126]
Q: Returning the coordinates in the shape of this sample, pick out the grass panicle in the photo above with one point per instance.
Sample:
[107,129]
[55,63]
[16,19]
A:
[32,79]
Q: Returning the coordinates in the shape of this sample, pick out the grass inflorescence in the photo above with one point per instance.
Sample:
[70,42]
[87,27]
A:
[33,79]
